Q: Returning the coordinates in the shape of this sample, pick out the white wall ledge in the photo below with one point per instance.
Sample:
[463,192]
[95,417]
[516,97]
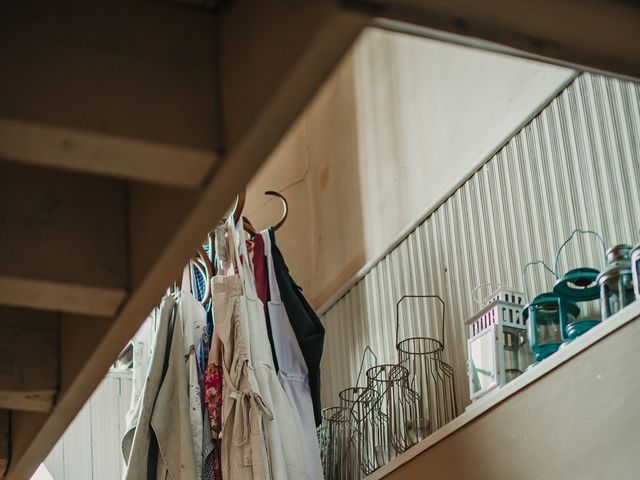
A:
[495,398]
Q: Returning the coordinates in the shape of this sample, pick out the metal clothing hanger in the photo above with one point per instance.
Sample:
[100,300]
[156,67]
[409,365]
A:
[285,206]
[202,262]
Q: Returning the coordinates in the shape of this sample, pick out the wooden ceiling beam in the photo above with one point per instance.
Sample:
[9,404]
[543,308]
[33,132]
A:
[110,87]
[64,242]
[5,441]
[29,355]
[106,155]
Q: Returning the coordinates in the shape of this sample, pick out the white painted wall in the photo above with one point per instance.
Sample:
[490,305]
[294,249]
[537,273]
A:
[401,122]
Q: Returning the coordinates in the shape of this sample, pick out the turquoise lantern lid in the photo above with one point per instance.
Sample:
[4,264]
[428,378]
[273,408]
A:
[578,285]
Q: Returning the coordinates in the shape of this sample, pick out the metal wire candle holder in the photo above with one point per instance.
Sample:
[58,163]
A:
[358,401]
[356,404]
[429,376]
[336,464]
[397,407]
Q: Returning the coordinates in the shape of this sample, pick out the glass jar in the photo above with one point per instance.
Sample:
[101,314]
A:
[516,354]
[616,282]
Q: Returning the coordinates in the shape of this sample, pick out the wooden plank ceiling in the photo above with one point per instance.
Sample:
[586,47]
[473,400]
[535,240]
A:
[126,127]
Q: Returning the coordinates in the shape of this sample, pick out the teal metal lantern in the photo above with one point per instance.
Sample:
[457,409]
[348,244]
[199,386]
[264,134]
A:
[578,285]
[635,270]
[542,317]
[616,282]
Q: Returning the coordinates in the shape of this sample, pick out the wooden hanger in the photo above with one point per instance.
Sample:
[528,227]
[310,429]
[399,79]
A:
[237,212]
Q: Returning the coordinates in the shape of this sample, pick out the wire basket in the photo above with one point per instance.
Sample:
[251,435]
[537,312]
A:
[337,464]
[430,377]
[397,407]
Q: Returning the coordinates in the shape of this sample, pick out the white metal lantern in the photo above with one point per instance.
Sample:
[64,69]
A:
[497,346]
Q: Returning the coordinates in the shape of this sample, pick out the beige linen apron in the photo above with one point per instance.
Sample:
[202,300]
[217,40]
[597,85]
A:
[283,440]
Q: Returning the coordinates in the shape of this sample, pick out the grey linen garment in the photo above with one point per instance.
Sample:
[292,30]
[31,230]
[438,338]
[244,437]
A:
[165,409]
[137,440]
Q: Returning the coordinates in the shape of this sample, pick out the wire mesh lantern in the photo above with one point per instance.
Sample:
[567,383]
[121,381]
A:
[395,413]
[616,282]
[635,270]
[429,376]
[577,286]
[497,346]
[338,464]
[359,401]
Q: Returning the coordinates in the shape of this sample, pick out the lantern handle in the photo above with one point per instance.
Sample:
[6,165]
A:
[524,275]
[364,354]
[573,234]
[479,300]
[419,296]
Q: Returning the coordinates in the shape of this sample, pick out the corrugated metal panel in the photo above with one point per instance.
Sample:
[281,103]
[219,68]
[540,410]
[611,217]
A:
[90,447]
[576,165]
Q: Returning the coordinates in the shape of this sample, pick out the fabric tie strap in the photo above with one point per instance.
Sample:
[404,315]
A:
[249,406]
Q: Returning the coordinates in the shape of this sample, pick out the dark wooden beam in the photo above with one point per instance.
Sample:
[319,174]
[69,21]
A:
[29,359]
[64,241]
[5,441]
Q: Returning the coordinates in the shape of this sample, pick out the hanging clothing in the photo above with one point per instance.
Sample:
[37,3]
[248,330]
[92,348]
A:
[171,414]
[177,415]
[260,270]
[293,374]
[308,329]
[283,441]
[211,468]
[213,400]
[243,446]
[138,442]
[191,315]
[262,288]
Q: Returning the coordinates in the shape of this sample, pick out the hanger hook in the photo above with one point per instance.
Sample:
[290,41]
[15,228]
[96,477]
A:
[285,206]
[239,205]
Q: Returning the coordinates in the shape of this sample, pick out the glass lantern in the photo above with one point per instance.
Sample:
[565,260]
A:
[616,282]
[635,270]
[497,345]
[542,316]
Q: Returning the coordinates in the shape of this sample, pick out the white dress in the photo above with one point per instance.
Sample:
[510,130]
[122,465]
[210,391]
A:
[293,373]
[282,438]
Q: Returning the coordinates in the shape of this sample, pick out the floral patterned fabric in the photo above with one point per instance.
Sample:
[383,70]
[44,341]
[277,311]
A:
[213,400]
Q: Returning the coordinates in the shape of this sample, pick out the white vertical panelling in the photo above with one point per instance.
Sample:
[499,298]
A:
[90,447]
[106,432]
[575,165]
[55,461]
[78,459]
